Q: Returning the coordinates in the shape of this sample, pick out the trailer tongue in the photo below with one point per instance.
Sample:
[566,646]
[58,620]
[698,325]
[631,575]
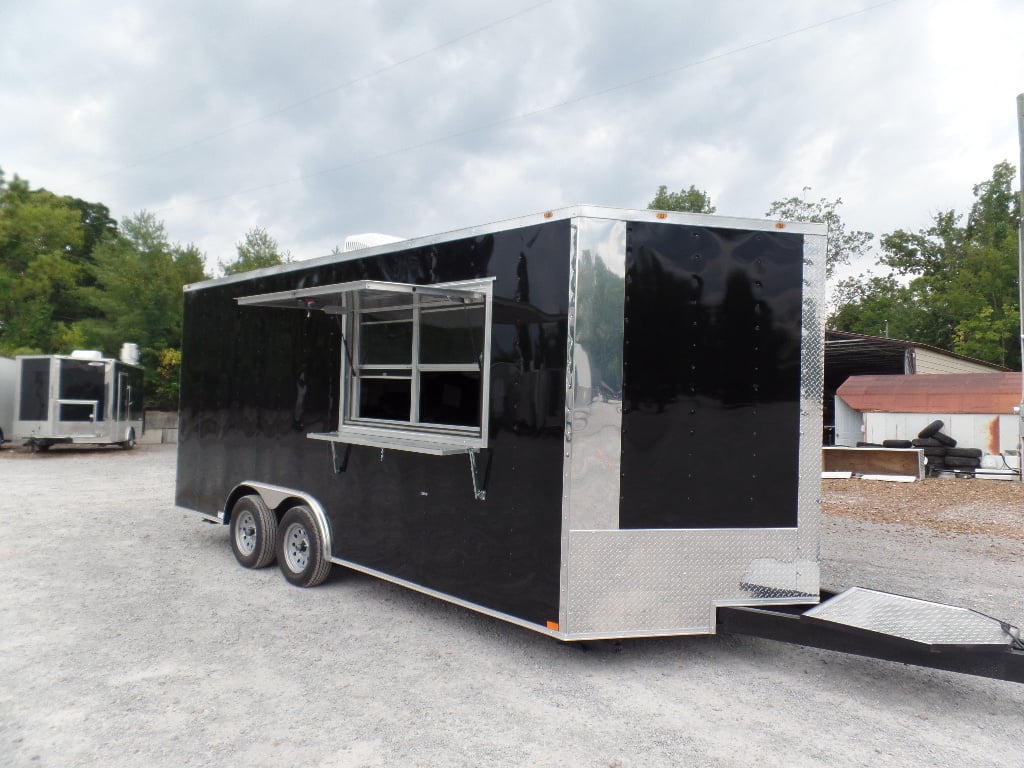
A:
[880,625]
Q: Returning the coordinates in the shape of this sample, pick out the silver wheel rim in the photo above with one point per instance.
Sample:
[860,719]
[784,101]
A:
[296,547]
[245,533]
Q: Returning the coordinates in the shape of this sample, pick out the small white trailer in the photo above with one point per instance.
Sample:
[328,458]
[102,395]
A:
[81,398]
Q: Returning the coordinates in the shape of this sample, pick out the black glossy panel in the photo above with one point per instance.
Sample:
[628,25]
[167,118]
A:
[711,391]
[255,381]
[35,389]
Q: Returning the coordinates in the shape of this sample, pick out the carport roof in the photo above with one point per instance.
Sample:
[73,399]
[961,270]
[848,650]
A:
[934,393]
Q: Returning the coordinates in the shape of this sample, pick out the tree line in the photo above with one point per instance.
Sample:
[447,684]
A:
[953,284]
[72,277]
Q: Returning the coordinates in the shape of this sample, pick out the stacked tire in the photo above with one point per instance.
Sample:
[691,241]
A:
[934,452]
[942,452]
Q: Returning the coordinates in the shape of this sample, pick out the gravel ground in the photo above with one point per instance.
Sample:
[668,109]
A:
[129,637]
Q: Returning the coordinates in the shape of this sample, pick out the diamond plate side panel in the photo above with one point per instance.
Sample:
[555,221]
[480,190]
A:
[670,581]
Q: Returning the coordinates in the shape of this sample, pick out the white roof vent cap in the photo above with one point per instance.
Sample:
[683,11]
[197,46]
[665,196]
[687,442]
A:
[87,354]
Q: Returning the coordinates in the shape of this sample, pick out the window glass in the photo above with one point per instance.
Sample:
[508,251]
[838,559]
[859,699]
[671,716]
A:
[450,397]
[35,389]
[388,398]
[452,336]
[82,380]
[385,342]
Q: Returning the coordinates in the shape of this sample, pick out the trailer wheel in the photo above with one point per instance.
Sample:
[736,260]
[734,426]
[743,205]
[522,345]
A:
[300,549]
[130,442]
[253,532]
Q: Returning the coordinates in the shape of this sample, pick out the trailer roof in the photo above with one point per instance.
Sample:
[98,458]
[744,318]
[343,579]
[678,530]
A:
[583,211]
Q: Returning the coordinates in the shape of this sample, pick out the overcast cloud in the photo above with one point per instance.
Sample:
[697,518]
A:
[317,120]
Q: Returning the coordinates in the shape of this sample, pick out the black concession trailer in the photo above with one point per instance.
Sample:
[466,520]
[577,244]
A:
[81,398]
[591,422]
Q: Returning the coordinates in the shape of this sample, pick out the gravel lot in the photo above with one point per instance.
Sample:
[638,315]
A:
[129,637]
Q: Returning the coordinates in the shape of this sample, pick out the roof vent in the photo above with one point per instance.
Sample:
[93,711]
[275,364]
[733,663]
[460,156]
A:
[130,353]
[87,354]
[368,240]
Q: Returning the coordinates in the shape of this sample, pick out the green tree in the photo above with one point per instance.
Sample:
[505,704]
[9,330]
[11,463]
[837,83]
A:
[42,244]
[875,305]
[257,250]
[139,277]
[958,279]
[691,200]
[842,245]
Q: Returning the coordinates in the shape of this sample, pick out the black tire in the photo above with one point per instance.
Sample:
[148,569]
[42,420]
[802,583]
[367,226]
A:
[130,442]
[931,429]
[300,549]
[897,444]
[934,451]
[253,532]
[967,453]
[869,445]
[962,462]
[926,442]
[945,439]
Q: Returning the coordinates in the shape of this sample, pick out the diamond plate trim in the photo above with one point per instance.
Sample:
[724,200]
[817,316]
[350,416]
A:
[918,621]
[670,581]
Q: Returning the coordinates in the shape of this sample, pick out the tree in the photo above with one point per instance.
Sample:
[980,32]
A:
[257,250]
[959,279]
[139,277]
[691,200]
[41,265]
[841,246]
[876,306]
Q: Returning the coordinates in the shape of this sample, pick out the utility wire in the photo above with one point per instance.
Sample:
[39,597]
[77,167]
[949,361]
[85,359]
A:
[533,113]
[319,94]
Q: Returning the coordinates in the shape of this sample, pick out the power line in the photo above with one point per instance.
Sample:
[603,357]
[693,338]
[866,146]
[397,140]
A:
[320,94]
[541,110]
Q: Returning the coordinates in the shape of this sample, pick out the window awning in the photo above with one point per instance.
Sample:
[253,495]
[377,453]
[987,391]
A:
[369,294]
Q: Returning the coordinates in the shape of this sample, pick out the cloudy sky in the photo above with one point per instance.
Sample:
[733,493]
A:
[319,119]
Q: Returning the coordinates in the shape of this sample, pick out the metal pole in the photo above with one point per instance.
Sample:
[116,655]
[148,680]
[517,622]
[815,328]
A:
[1020,283]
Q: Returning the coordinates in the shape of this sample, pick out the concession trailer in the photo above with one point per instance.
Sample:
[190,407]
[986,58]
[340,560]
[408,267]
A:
[82,398]
[591,422]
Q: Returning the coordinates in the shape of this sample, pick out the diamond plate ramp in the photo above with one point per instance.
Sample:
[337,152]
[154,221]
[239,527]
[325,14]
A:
[921,623]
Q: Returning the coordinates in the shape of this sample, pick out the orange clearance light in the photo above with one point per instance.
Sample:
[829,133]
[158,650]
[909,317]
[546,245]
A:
[553,626]
[780,225]
[660,215]
[548,214]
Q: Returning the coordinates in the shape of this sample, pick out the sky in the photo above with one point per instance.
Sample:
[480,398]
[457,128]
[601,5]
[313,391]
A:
[323,119]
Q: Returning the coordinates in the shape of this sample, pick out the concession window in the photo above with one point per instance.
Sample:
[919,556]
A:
[415,373]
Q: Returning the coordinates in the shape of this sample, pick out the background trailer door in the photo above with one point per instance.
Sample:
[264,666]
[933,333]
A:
[590,422]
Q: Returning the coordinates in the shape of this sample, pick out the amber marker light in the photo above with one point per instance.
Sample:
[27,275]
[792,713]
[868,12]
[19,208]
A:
[548,214]
[553,626]
[660,215]
[780,225]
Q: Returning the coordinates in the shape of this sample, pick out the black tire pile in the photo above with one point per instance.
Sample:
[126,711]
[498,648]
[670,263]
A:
[941,451]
